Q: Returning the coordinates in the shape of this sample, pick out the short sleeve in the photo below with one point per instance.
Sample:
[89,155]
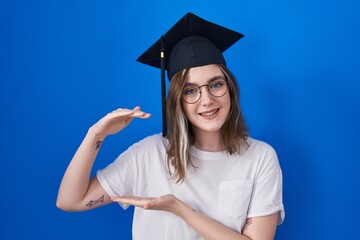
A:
[267,192]
[129,173]
[118,178]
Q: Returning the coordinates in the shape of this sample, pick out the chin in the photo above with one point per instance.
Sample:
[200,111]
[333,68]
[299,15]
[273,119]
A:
[210,128]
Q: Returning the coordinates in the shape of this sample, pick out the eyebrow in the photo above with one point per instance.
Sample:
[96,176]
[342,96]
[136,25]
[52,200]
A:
[209,80]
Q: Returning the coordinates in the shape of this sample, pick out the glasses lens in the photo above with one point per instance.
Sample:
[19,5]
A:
[191,94]
[218,87]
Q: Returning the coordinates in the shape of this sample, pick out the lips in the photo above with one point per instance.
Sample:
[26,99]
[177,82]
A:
[209,113]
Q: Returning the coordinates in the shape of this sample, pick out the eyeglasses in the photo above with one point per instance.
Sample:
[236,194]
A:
[217,88]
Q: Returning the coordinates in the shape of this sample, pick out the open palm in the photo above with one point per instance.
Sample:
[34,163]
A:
[163,203]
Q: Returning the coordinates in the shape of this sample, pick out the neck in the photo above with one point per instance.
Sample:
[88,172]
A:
[208,141]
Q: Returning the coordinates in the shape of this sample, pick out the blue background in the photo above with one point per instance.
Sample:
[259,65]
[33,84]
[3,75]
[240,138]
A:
[65,64]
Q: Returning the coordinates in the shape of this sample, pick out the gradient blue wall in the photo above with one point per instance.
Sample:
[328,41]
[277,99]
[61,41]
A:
[65,64]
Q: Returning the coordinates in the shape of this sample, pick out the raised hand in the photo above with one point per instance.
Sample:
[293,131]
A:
[116,121]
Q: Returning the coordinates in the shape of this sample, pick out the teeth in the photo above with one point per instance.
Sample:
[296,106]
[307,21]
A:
[209,113]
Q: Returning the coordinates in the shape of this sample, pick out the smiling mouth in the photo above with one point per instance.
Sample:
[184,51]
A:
[207,114]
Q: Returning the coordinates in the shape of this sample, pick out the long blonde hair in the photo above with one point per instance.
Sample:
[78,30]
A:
[234,132]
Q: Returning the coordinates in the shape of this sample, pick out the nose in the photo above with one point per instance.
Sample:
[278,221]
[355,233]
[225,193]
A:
[205,97]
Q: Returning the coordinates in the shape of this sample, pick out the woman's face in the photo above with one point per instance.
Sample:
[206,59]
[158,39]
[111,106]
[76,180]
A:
[209,113]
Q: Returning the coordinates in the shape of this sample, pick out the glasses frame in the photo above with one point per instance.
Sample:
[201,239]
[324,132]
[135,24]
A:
[208,88]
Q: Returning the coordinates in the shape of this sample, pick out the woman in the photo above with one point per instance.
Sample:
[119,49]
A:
[206,179]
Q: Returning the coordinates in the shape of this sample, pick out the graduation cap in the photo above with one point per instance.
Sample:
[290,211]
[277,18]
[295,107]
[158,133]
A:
[191,42]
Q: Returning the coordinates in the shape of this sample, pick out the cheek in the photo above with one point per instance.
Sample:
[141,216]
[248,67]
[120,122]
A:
[227,103]
[187,110]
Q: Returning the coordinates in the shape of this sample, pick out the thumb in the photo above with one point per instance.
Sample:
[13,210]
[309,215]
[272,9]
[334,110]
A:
[137,108]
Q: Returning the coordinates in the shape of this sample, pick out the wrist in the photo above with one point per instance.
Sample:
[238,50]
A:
[181,208]
[94,138]
[97,136]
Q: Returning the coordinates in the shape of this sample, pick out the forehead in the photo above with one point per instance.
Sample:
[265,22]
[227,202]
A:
[203,74]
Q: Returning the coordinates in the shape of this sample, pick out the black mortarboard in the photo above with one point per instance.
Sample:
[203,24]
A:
[191,42]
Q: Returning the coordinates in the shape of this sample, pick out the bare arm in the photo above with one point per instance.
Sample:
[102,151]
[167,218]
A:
[77,192]
[258,228]
[261,228]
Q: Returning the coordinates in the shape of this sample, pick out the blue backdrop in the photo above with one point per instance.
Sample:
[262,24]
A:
[65,64]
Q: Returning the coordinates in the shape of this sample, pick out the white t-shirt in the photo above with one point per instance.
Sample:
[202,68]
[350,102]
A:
[226,188]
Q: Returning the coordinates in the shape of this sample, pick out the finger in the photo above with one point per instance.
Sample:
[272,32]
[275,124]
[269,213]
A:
[137,109]
[128,201]
[130,198]
[136,112]
[133,200]
[122,199]
[120,113]
[122,110]
[141,115]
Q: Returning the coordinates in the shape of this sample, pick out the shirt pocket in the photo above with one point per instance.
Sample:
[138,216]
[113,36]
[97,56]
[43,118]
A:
[234,197]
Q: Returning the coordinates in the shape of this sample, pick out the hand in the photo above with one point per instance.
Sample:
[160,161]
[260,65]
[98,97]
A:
[164,203]
[116,121]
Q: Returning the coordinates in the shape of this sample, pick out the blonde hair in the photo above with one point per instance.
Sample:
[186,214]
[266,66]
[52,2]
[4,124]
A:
[234,132]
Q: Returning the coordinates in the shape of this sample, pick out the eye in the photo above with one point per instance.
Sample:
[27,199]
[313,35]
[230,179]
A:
[190,90]
[216,84]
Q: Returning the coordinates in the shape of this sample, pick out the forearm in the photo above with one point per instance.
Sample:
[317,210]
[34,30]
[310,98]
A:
[206,227]
[75,182]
